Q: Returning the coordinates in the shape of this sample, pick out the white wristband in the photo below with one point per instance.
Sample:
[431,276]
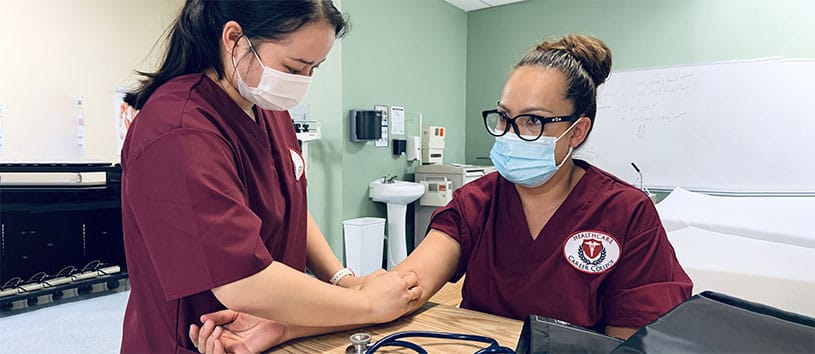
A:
[339,274]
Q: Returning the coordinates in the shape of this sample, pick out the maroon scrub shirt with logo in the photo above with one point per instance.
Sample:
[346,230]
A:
[209,196]
[602,259]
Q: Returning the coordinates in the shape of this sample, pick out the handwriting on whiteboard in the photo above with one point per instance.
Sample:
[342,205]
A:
[657,98]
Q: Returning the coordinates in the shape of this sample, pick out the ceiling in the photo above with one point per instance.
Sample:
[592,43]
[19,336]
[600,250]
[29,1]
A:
[470,5]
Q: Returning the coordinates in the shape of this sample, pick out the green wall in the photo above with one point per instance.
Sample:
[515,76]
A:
[398,53]
[428,56]
[325,155]
[639,33]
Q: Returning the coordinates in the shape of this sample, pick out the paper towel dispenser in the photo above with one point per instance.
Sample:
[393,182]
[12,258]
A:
[365,125]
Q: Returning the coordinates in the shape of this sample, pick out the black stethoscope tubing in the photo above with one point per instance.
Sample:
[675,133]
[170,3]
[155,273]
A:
[393,340]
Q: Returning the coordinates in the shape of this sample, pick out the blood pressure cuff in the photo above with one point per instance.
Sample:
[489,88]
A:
[717,323]
[542,335]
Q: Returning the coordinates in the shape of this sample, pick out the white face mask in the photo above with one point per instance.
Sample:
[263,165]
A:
[276,91]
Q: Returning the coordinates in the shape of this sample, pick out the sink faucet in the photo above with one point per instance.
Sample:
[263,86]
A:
[387,179]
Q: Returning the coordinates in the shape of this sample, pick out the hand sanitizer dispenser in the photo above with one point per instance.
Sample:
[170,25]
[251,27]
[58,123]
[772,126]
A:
[433,145]
[414,148]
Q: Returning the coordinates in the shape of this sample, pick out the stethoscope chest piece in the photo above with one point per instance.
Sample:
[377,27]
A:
[359,343]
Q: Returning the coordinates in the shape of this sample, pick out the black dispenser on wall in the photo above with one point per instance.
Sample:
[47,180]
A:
[366,125]
[399,146]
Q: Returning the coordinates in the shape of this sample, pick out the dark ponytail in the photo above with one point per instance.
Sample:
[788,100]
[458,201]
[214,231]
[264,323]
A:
[193,42]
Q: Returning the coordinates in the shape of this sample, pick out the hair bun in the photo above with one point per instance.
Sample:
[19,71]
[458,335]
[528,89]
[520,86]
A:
[592,53]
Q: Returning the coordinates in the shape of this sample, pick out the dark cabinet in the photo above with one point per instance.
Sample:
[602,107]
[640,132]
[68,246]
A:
[48,228]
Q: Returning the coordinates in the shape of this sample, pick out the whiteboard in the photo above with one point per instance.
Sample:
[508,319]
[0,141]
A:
[741,127]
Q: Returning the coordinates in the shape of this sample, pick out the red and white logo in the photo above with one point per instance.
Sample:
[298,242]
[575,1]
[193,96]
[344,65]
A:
[298,164]
[591,252]
[592,248]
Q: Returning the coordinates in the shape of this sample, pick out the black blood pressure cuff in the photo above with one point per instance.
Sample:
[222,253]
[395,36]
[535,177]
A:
[716,323]
[542,335]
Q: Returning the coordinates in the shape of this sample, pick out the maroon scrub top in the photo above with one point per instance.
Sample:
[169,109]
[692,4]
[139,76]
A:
[602,259]
[208,197]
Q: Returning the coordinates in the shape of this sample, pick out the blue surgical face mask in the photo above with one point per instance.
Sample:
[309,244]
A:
[528,163]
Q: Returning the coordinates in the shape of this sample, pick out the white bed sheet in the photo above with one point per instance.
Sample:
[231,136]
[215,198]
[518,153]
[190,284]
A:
[771,273]
[789,220]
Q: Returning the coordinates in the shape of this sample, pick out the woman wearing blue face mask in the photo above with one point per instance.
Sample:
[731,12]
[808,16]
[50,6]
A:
[548,234]
[214,190]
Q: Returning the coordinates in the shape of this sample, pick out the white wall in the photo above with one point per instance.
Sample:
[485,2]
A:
[53,51]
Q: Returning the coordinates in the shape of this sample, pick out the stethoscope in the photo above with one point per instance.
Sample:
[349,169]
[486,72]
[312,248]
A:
[361,342]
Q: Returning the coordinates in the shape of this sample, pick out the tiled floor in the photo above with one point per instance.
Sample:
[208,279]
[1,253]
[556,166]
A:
[88,323]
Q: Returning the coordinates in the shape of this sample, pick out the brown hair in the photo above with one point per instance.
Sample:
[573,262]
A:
[584,60]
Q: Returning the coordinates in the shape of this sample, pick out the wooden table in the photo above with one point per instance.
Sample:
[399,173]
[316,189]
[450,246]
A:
[431,317]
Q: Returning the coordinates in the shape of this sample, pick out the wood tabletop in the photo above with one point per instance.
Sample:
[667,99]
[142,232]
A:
[431,317]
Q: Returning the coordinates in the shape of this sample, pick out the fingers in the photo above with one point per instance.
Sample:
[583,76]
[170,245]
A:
[415,293]
[411,279]
[207,338]
[220,317]
[219,348]
[213,339]
[194,335]
[204,333]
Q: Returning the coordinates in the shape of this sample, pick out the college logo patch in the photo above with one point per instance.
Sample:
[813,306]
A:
[298,164]
[591,252]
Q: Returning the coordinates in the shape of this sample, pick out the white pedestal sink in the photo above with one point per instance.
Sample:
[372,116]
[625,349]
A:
[397,195]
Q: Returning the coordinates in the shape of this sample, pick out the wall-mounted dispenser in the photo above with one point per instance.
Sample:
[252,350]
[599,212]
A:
[365,125]
[414,148]
[433,145]
[399,146]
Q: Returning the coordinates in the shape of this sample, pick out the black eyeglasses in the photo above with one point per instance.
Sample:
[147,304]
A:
[528,127]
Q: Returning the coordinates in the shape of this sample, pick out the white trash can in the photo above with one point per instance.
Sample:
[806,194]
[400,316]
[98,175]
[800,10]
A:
[364,243]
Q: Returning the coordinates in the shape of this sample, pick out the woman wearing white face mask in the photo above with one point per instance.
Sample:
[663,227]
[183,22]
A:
[214,190]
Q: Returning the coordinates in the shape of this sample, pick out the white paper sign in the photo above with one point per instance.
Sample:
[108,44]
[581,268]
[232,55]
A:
[383,142]
[397,120]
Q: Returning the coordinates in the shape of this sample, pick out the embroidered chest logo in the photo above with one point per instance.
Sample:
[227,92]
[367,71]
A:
[298,164]
[591,252]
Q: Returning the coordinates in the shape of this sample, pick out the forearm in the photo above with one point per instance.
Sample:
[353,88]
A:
[270,294]
[434,262]
[321,260]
